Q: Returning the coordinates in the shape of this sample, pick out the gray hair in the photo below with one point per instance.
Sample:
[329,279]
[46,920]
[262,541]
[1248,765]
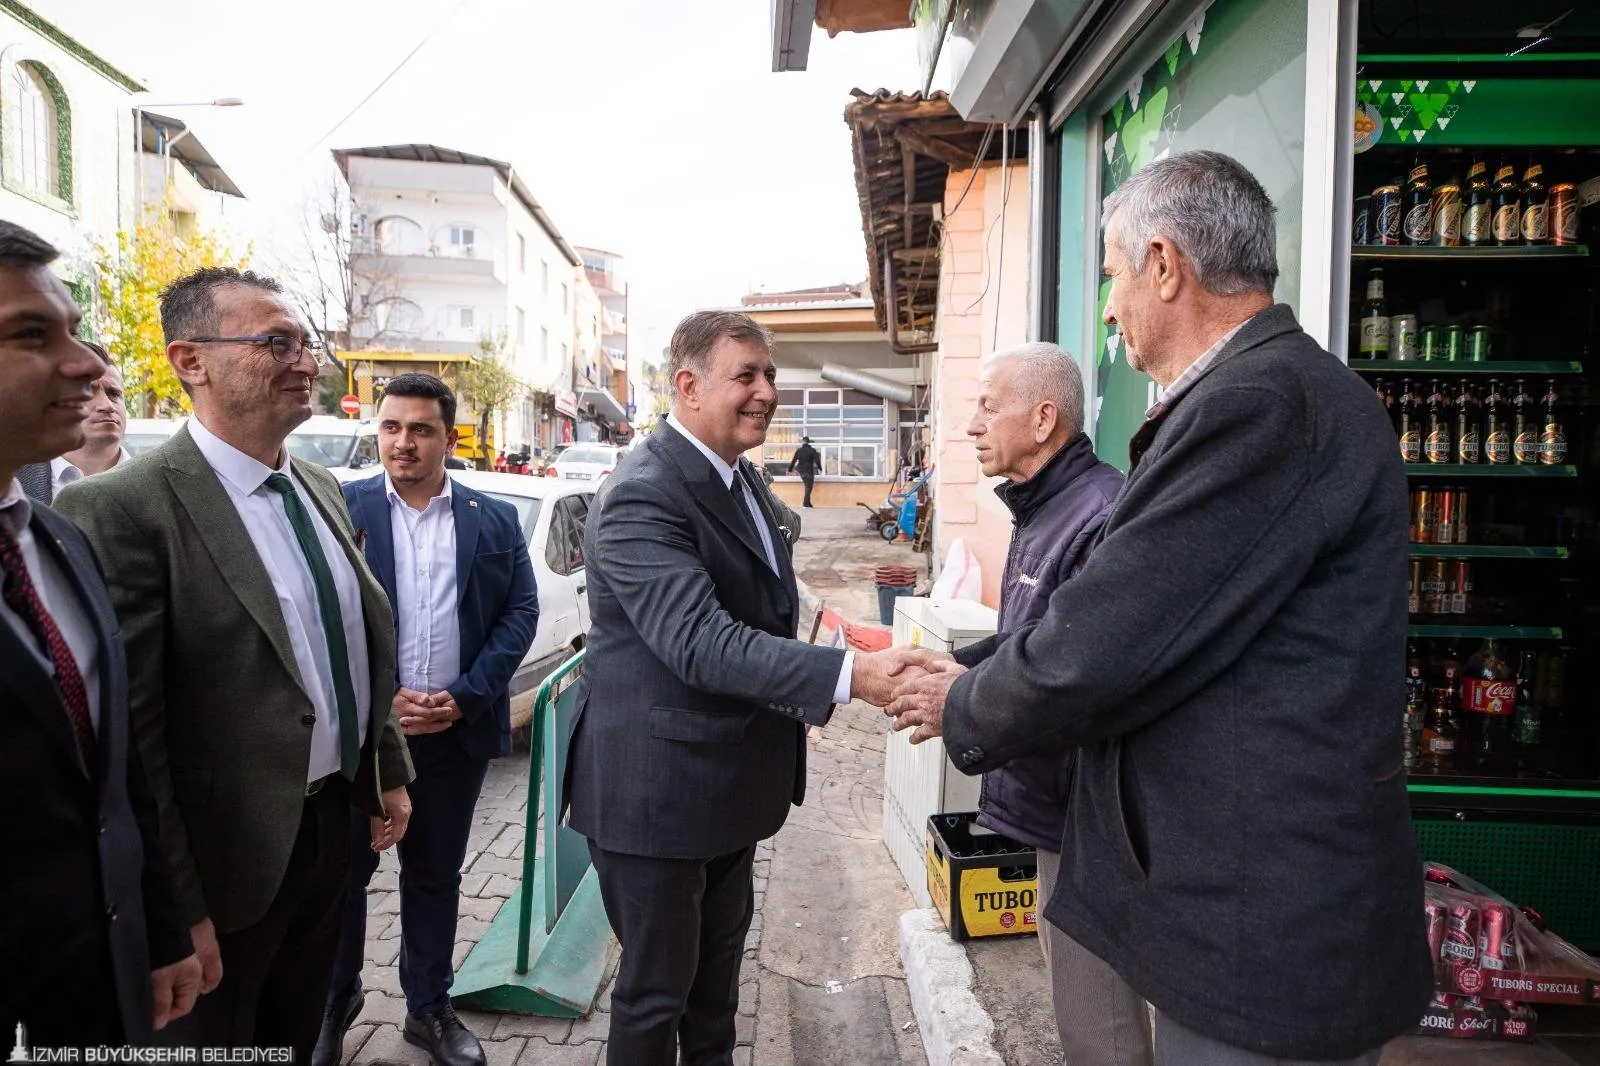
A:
[697,334]
[1047,372]
[1212,208]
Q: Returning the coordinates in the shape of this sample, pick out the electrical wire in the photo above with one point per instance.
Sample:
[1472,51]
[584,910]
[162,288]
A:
[386,79]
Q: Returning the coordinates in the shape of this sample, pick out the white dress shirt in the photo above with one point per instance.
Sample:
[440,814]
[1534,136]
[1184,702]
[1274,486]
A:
[426,615]
[63,473]
[841,688]
[59,598]
[262,512]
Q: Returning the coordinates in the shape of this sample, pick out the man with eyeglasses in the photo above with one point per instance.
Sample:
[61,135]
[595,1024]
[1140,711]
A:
[102,444]
[261,659]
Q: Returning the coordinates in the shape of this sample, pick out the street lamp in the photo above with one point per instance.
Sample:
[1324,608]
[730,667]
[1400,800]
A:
[163,145]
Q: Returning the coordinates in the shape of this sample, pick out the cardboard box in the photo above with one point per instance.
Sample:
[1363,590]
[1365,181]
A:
[1523,987]
[1449,1016]
[982,883]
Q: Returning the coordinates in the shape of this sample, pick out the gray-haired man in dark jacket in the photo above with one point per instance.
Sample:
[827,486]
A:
[1239,848]
[1028,429]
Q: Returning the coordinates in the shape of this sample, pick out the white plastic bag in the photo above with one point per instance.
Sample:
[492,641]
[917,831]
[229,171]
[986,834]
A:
[961,578]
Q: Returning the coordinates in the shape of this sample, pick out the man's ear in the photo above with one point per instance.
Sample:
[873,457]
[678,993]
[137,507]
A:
[1165,267]
[1045,418]
[687,386]
[186,363]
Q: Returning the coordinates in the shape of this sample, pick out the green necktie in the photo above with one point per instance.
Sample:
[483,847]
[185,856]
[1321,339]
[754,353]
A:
[332,622]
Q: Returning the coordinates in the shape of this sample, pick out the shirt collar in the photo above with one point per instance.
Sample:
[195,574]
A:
[394,496]
[720,465]
[1185,381]
[58,471]
[16,503]
[243,472]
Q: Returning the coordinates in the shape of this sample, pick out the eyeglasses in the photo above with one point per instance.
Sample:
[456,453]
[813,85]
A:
[284,349]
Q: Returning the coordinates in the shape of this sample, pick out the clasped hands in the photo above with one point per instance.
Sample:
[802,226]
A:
[420,713]
[910,684]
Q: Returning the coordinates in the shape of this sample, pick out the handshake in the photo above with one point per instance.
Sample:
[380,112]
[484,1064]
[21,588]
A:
[910,685]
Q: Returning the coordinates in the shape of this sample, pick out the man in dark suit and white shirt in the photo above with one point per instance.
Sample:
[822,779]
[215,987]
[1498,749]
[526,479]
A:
[688,745]
[92,947]
[261,655]
[455,565]
[102,442]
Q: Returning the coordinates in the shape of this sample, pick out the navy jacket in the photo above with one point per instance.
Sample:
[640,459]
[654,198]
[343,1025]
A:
[499,602]
[1239,844]
[81,843]
[1056,515]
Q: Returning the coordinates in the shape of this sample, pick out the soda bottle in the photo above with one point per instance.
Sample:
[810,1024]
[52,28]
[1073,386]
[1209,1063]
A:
[1490,695]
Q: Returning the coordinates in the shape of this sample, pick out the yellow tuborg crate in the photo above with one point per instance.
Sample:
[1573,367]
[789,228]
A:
[982,883]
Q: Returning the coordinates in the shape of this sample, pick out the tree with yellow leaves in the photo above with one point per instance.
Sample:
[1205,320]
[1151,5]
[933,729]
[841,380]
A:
[130,278]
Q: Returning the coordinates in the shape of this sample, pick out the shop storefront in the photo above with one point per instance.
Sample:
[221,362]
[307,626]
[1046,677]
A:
[1368,124]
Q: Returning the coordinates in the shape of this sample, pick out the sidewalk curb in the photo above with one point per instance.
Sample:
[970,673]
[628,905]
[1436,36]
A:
[956,1030]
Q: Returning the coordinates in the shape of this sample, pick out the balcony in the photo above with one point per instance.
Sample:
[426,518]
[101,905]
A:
[613,324]
[450,264]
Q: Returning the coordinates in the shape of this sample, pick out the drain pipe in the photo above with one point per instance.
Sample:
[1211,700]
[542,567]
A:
[862,381]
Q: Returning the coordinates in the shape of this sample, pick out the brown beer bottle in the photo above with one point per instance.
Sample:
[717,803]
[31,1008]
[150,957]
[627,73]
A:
[1411,419]
[1507,205]
[1441,733]
[1469,445]
[1524,427]
[1553,435]
[1417,220]
[1535,219]
[1439,445]
[1496,426]
[1477,223]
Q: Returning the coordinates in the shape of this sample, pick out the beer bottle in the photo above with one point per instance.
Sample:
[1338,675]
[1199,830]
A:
[1411,419]
[1385,393]
[1477,223]
[1490,694]
[1441,733]
[1524,427]
[1553,437]
[1418,205]
[1507,205]
[1447,209]
[1416,709]
[1496,427]
[1535,219]
[1375,319]
[1525,730]
[1439,445]
[1469,445]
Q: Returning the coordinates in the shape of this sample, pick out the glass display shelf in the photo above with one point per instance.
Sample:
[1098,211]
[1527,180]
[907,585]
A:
[1372,252]
[1431,630]
[1485,551]
[1510,368]
[1477,470]
[1468,791]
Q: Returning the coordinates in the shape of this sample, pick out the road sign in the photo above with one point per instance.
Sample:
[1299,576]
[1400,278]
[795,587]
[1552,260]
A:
[350,405]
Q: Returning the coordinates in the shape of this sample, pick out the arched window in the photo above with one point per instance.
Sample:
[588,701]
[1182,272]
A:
[39,132]
[398,235]
[397,316]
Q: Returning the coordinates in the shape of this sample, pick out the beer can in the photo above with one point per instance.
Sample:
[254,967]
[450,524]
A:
[1463,528]
[1437,918]
[1454,343]
[1361,230]
[1460,586]
[1564,207]
[1496,936]
[1422,516]
[1403,337]
[1461,933]
[1435,578]
[1386,215]
[1414,588]
[1430,343]
[1444,517]
[1447,209]
[1478,347]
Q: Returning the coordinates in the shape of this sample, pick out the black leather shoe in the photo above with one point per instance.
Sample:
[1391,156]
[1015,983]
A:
[444,1038]
[336,1021]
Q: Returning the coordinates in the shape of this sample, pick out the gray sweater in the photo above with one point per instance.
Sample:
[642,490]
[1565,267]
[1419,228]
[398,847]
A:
[1238,843]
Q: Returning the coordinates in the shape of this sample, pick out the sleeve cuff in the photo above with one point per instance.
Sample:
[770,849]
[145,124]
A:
[841,688]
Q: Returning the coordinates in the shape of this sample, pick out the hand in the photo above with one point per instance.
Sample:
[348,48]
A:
[174,988]
[445,707]
[204,935]
[919,701]
[876,674]
[417,714]
[387,830]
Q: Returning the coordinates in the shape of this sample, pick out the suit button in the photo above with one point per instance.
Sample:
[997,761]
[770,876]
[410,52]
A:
[308,719]
[100,825]
[111,912]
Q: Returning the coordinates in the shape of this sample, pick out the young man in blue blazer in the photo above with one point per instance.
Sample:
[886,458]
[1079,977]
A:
[455,565]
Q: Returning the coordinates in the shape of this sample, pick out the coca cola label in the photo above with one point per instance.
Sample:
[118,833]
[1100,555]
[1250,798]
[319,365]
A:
[1490,697]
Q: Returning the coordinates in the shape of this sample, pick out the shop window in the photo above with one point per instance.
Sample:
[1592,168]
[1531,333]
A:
[38,138]
[847,428]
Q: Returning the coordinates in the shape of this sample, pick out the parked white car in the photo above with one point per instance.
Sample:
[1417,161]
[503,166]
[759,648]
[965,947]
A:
[587,463]
[553,515]
[142,434]
[346,446]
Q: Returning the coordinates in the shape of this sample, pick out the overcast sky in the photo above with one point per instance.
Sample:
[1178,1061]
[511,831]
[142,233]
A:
[653,129]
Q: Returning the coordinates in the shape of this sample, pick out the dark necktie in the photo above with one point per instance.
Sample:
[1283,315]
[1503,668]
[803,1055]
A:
[23,598]
[739,490]
[1147,433]
[332,622]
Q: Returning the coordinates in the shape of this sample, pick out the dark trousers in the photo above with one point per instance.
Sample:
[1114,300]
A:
[682,924]
[70,999]
[807,480]
[275,972]
[443,798]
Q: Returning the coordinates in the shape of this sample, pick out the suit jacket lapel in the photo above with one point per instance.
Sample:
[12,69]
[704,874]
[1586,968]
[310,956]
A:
[372,514]
[780,550]
[708,490]
[464,510]
[96,608]
[199,490]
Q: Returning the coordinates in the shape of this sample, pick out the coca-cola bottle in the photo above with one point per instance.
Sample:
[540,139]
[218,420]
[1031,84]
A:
[1489,691]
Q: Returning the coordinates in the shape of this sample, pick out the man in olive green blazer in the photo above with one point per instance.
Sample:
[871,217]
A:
[261,662]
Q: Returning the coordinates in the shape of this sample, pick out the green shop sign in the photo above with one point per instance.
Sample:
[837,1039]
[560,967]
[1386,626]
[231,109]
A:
[1455,112]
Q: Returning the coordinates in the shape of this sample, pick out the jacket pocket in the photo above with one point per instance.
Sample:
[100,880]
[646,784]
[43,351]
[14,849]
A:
[191,788]
[697,727]
[1129,818]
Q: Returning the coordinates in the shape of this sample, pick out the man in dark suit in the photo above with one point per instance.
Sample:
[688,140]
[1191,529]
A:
[455,565]
[1226,662]
[688,745]
[261,654]
[808,461]
[94,949]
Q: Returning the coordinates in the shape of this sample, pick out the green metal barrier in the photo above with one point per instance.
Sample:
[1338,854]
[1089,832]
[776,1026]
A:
[553,963]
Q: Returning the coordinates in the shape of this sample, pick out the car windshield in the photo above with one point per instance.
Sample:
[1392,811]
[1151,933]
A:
[324,449]
[139,443]
[527,509]
[601,456]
